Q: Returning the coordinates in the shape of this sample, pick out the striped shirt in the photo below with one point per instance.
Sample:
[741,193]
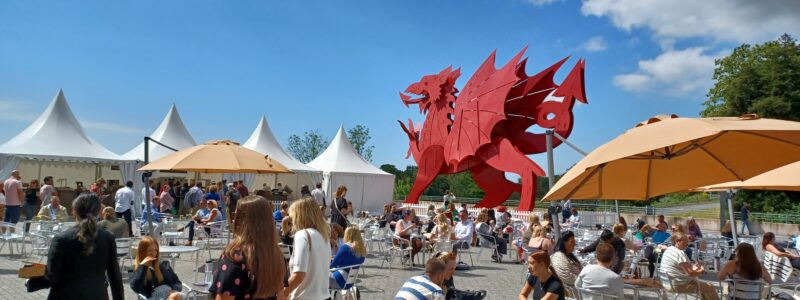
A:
[420,288]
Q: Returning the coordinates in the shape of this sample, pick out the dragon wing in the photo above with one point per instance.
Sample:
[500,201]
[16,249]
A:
[479,107]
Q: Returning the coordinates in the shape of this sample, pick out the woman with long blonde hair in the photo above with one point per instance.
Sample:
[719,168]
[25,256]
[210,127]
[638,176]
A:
[312,252]
[252,265]
[442,231]
[352,252]
[153,278]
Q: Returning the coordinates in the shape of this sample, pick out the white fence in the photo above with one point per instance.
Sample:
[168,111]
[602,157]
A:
[588,218]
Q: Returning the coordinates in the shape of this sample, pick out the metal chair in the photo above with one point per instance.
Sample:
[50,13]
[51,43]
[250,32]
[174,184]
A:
[586,294]
[40,242]
[746,289]
[489,242]
[669,286]
[124,251]
[9,236]
[286,250]
[397,249]
[779,268]
[350,283]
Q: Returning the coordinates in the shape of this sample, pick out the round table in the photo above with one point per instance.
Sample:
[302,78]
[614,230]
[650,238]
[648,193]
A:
[173,250]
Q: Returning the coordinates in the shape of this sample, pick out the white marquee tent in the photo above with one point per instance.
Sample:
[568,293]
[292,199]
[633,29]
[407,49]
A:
[262,140]
[368,187]
[171,132]
[58,142]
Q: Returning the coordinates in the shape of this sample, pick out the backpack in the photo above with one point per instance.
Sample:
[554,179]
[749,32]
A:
[190,199]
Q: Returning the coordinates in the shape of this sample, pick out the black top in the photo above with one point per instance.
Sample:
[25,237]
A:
[619,250]
[337,216]
[448,286]
[552,285]
[145,287]
[73,275]
[233,279]
[30,196]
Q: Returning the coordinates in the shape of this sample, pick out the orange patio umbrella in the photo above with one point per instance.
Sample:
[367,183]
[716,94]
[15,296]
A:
[217,157]
[670,154]
[786,178]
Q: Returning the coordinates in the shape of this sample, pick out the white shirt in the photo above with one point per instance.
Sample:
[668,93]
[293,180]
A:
[449,198]
[599,279]
[318,195]
[123,198]
[46,192]
[575,219]
[152,194]
[313,258]
[464,231]
[568,204]
[670,264]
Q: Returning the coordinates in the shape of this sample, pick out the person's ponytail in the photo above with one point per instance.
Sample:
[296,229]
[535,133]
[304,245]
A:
[85,207]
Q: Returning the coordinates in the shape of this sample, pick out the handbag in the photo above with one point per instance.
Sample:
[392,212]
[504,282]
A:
[36,283]
[468,295]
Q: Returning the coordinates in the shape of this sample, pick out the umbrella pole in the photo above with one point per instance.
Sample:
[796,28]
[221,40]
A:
[731,193]
[551,180]
[616,207]
[146,178]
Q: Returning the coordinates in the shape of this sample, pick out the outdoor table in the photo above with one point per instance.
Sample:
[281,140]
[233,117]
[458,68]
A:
[174,251]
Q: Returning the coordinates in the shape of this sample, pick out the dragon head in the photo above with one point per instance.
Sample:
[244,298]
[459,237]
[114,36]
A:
[432,89]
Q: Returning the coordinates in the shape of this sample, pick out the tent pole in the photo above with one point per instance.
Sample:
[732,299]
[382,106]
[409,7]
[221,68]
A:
[731,193]
[145,179]
[551,180]
[39,174]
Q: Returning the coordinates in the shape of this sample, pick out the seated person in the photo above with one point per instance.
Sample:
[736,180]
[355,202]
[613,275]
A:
[574,219]
[768,244]
[677,266]
[155,216]
[404,229]
[463,232]
[153,278]
[599,278]
[488,235]
[661,235]
[282,212]
[539,241]
[619,249]
[118,227]
[448,285]
[336,237]
[442,231]
[427,286]
[206,213]
[352,252]
[745,266]
[53,211]
[287,236]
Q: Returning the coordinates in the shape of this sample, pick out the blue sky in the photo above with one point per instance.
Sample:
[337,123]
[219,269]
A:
[318,64]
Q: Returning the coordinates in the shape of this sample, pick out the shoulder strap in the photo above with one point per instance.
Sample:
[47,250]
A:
[309,240]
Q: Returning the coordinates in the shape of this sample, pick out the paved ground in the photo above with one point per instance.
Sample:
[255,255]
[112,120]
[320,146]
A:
[500,280]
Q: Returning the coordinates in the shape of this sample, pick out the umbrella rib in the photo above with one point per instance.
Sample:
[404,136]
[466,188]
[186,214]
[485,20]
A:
[584,180]
[720,162]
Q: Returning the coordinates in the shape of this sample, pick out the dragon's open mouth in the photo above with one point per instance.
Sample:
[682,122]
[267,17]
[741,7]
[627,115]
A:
[412,98]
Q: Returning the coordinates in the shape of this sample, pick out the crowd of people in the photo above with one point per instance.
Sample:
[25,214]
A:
[325,247]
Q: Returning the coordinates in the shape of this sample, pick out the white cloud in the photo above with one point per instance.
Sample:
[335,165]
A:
[721,20]
[542,2]
[675,72]
[595,44]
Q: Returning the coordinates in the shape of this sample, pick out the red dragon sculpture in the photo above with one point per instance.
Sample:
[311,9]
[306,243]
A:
[483,129]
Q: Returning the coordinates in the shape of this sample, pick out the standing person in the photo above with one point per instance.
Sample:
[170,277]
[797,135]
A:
[31,206]
[541,271]
[47,190]
[745,213]
[599,278]
[311,256]
[167,202]
[340,207]
[123,203]
[14,197]
[243,192]
[676,265]
[252,265]
[232,199]
[448,198]
[149,186]
[319,196]
[154,278]
[82,259]
[305,191]
[427,286]
[112,224]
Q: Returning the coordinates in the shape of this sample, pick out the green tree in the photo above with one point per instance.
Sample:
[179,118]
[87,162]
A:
[762,79]
[359,137]
[308,147]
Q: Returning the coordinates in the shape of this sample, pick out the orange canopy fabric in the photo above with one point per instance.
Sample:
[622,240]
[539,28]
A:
[679,154]
[786,178]
[217,157]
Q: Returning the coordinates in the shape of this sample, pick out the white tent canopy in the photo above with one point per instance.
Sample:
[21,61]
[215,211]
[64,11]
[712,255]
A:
[57,136]
[368,187]
[263,141]
[171,132]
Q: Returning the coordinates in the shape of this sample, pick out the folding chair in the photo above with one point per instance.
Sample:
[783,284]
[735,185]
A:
[124,251]
[349,287]
[9,237]
[779,268]
[669,286]
[586,294]
[489,242]
[396,249]
[746,289]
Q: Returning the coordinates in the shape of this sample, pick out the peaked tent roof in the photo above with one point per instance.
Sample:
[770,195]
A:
[340,156]
[57,135]
[171,132]
[262,140]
